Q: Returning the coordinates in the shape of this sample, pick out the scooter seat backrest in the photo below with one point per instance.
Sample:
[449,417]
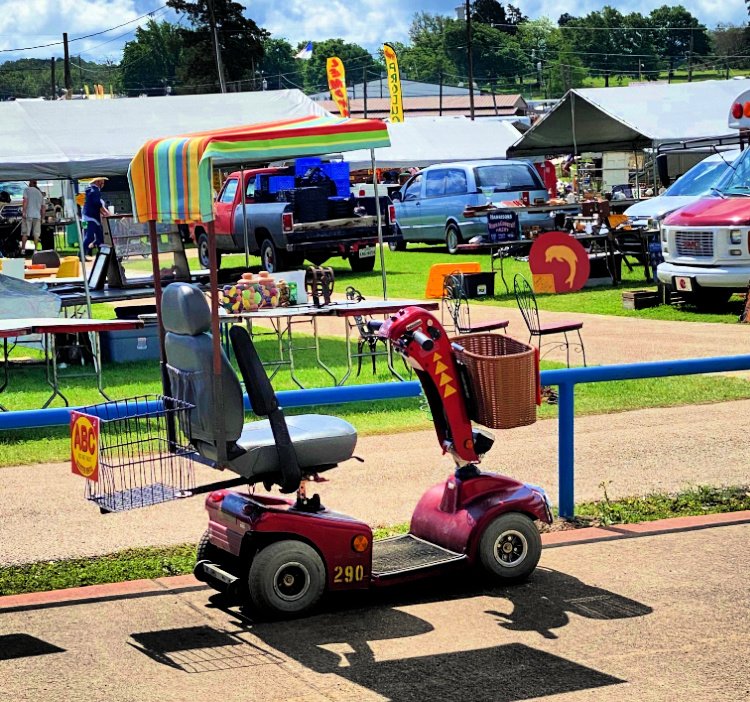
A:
[189,350]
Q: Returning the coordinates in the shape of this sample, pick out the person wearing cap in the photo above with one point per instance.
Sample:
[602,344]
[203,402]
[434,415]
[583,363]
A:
[93,211]
[32,212]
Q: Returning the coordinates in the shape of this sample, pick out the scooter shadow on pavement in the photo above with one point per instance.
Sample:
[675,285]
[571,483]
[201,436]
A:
[339,638]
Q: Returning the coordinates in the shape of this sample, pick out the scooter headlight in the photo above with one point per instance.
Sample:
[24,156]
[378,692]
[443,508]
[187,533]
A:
[735,236]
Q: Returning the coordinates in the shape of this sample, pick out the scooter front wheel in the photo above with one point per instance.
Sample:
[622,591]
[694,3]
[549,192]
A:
[510,547]
[286,578]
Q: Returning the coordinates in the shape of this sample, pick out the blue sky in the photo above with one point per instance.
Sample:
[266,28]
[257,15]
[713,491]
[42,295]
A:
[367,22]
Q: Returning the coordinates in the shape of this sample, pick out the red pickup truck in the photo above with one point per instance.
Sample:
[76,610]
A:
[266,227]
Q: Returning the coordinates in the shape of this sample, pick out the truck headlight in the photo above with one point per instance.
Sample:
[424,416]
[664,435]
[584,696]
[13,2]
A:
[735,236]
[664,235]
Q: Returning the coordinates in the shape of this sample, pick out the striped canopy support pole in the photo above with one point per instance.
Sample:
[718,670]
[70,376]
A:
[380,223]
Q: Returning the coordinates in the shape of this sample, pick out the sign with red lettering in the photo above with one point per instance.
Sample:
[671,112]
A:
[394,83]
[337,84]
[84,445]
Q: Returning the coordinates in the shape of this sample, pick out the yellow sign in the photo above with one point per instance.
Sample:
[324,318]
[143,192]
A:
[337,84]
[394,84]
[84,445]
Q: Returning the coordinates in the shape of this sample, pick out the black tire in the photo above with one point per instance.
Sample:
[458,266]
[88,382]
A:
[271,259]
[510,547]
[206,551]
[398,245]
[361,265]
[286,578]
[203,257]
[708,298]
[453,238]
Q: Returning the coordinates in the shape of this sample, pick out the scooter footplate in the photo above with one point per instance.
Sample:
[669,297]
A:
[402,554]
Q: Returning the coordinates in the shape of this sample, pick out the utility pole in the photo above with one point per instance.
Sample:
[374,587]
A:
[52,78]
[440,101]
[471,61]
[364,91]
[690,59]
[217,48]
[66,67]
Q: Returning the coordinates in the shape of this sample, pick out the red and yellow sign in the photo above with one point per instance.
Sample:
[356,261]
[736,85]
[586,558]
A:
[84,445]
[337,84]
[394,84]
[558,263]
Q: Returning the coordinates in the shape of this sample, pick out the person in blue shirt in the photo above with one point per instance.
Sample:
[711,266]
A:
[93,211]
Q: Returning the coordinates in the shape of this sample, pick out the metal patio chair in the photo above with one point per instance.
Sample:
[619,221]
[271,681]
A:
[527,304]
[455,307]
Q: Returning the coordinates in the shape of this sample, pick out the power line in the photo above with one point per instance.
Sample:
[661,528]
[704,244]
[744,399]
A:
[87,36]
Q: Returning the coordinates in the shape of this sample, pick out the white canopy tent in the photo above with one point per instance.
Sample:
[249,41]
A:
[71,139]
[422,141]
[632,118]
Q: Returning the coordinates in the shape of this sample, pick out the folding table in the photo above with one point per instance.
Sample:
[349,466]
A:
[9,329]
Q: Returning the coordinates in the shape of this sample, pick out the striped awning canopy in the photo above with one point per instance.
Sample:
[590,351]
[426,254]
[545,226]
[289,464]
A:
[170,178]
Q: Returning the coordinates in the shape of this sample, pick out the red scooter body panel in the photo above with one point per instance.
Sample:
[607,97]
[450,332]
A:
[454,514]
[332,534]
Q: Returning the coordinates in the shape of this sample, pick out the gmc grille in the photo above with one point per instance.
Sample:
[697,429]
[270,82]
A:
[698,244]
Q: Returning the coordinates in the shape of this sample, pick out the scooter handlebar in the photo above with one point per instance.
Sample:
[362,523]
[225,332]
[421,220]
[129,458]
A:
[423,340]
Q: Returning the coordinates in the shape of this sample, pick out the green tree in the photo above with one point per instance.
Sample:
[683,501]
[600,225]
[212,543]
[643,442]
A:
[732,44]
[278,59]
[353,56]
[240,43]
[150,60]
[495,14]
[678,32]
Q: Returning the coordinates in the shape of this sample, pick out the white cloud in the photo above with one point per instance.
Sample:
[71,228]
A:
[366,22]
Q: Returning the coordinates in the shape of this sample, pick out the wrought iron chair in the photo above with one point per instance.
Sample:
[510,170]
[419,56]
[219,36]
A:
[530,312]
[455,310]
[367,338]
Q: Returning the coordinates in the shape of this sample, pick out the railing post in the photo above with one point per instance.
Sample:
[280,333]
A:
[566,449]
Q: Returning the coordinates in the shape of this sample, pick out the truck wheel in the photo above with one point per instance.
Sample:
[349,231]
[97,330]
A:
[452,238]
[399,245]
[510,547]
[271,259]
[361,265]
[286,578]
[708,298]
[203,257]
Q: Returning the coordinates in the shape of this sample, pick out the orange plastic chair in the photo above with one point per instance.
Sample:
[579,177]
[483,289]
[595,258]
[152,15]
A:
[70,267]
[438,271]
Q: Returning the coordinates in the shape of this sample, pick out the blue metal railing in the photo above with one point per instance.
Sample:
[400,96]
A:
[564,378]
[567,378]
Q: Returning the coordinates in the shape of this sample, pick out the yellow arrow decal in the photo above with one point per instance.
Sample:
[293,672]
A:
[449,390]
[440,367]
[445,379]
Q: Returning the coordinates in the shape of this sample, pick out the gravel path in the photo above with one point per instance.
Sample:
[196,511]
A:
[43,515]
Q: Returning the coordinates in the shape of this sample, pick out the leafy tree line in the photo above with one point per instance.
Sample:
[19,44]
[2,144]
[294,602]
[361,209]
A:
[509,51]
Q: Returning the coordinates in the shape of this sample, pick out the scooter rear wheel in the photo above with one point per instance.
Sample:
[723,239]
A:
[286,578]
[510,547]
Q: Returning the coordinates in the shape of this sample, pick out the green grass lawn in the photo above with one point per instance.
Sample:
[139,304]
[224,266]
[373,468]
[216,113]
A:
[28,390]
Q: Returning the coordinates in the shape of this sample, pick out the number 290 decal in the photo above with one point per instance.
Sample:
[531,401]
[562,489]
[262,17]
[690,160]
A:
[348,574]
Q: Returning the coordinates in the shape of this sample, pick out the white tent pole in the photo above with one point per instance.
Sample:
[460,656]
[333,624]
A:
[380,222]
[81,251]
[575,143]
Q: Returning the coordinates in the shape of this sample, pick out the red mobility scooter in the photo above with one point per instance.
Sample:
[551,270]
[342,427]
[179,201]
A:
[285,553]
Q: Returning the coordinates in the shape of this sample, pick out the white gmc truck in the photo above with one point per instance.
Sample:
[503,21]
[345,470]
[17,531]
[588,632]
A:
[706,245]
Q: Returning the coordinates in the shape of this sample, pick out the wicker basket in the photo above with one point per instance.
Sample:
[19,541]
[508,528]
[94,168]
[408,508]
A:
[503,374]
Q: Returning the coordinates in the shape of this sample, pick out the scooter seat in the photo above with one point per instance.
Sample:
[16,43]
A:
[320,442]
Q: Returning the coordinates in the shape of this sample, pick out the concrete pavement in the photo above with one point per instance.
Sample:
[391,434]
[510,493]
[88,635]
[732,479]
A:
[649,618]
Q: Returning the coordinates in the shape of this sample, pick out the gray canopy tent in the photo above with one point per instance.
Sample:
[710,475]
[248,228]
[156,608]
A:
[631,118]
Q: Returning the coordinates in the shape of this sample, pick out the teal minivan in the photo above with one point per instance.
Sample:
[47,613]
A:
[430,205]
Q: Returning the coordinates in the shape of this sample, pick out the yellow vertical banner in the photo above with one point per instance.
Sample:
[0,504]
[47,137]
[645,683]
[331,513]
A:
[394,83]
[86,90]
[337,84]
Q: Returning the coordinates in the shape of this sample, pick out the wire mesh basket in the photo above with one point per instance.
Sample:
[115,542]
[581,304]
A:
[504,378]
[144,455]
